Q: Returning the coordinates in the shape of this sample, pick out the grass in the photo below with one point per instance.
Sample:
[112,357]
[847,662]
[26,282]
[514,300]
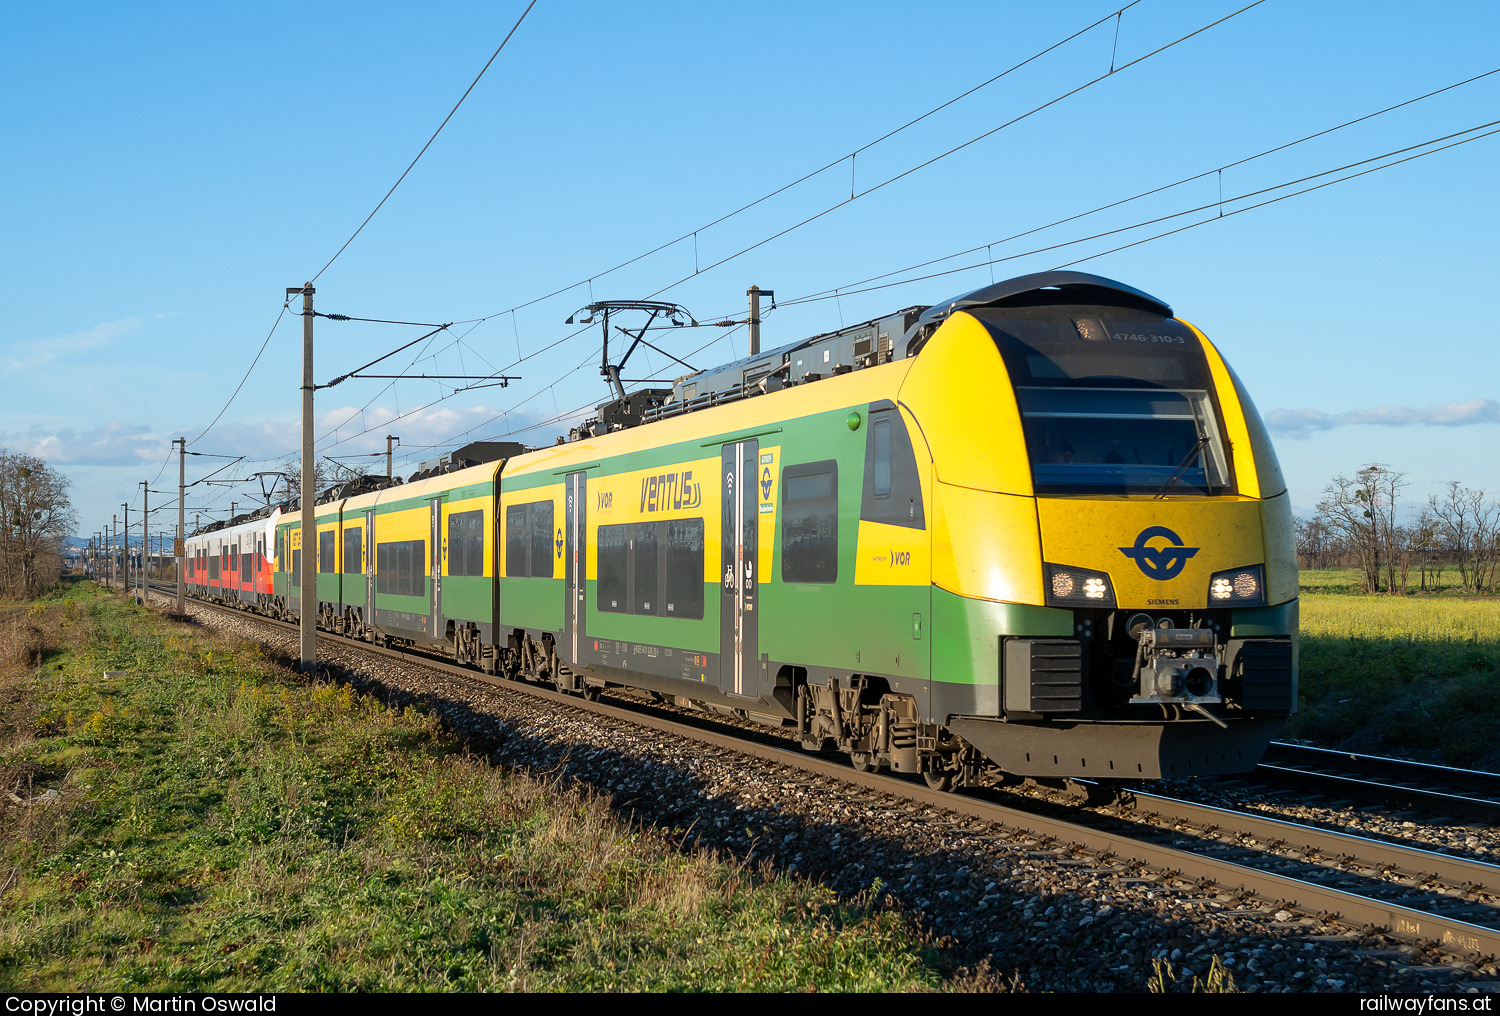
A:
[1417,676]
[1351,581]
[1330,580]
[224,826]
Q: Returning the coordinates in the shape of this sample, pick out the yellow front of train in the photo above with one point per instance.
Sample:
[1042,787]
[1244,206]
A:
[1112,538]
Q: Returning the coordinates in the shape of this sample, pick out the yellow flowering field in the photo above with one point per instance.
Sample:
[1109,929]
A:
[1429,619]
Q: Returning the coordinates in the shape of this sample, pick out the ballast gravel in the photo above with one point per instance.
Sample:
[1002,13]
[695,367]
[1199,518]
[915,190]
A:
[1460,837]
[1032,916]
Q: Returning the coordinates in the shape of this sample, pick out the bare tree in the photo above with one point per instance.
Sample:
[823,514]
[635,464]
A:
[342,472]
[1426,544]
[35,518]
[1469,526]
[1317,545]
[1382,487]
[291,471]
[1345,510]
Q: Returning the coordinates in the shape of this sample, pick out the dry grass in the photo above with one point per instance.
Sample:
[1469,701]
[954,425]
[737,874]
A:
[224,826]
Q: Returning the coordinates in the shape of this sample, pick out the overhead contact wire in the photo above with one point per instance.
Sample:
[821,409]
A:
[430,140]
[877,186]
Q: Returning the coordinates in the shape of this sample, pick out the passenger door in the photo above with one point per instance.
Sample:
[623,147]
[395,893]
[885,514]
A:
[368,550]
[739,525]
[435,626]
[575,562]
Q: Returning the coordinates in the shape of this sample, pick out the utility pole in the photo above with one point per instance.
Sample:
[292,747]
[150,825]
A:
[388,440]
[754,293]
[180,550]
[125,585]
[114,533]
[308,525]
[145,537]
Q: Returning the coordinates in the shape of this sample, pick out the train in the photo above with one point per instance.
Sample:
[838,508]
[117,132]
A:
[1037,531]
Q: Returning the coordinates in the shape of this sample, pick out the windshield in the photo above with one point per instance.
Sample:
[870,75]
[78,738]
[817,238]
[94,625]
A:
[1113,400]
[1121,440]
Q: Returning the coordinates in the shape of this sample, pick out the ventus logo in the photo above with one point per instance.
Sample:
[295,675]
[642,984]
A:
[670,492]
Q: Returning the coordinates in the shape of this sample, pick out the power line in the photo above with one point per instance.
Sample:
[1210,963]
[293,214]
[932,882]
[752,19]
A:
[848,287]
[1305,190]
[430,140]
[870,190]
[692,234]
[957,148]
[253,362]
[375,321]
[384,356]
[1216,205]
[164,462]
[377,208]
[551,387]
[456,391]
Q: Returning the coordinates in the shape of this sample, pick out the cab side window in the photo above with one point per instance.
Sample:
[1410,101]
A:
[810,522]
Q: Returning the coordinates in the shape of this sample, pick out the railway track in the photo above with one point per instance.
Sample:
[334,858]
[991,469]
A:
[1441,790]
[1410,894]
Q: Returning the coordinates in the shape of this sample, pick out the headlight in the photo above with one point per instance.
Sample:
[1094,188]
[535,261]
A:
[1240,587]
[1078,587]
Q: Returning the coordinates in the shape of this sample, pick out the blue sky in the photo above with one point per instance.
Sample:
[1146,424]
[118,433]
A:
[171,170]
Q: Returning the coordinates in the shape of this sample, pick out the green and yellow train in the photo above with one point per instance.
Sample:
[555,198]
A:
[1036,531]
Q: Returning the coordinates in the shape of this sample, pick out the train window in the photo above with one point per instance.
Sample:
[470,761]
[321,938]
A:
[401,568]
[612,563]
[683,596]
[466,543]
[515,540]
[234,558]
[213,568]
[528,540]
[326,552]
[880,436]
[1122,440]
[810,522]
[352,538]
[297,570]
[1113,400]
[892,491]
[541,539]
[247,559]
[645,563]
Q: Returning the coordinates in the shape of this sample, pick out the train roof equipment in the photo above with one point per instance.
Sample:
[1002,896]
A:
[867,344]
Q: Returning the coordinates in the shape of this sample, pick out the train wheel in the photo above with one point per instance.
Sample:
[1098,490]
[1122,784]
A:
[863,762]
[1095,793]
[591,693]
[942,782]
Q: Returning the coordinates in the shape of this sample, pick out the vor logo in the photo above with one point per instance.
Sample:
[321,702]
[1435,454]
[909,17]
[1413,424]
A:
[1160,563]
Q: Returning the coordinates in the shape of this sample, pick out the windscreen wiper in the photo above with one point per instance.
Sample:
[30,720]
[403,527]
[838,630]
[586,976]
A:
[1195,452]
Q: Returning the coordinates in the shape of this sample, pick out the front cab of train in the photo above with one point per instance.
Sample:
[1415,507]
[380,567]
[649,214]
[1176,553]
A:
[1112,535]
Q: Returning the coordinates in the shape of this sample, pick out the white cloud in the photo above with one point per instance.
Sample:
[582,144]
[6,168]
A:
[38,352]
[113,443]
[1300,423]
